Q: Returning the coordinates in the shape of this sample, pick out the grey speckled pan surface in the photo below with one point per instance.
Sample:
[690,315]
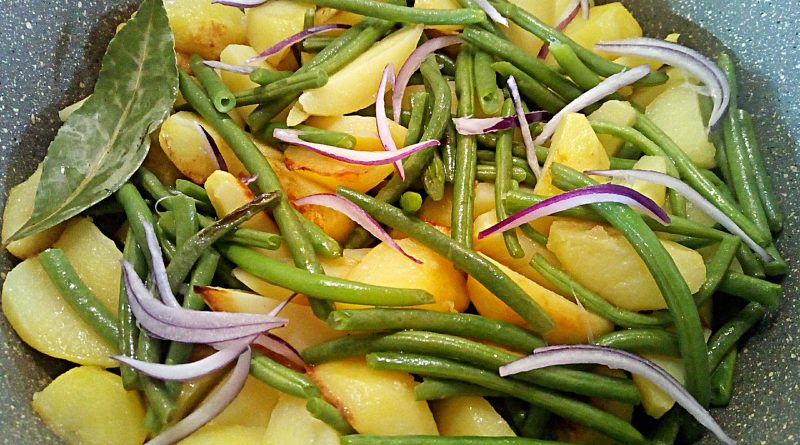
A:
[50,49]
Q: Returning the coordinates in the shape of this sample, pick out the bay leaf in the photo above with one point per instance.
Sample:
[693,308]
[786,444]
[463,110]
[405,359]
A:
[102,144]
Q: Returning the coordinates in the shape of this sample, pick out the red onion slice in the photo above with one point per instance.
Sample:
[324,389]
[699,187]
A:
[186,371]
[296,38]
[211,145]
[159,269]
[530,148]
[238,69]
[493,14]
[240,3]
[682,57]
[690,194]
[616,359]
[382,122]
[474,126]
[411,65]
[356,214]
[211,406]
[592,194]
[352,156]
[272,344]
[605,88]
[277,310]
[569,15]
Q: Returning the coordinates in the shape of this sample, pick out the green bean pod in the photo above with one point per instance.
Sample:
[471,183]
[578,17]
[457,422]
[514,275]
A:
[437,389]
[717,268]
[722,380]
[530,87]
[769,199]
[264,76]
[433,178]
[397,13]
[224,101]
[726,337]
[292,85]
[128,330]
[458,324]
[504,161]
[578,412]
[490,97]
[324,411]
[656,341]
[466,152]
[666,275]
[272,373]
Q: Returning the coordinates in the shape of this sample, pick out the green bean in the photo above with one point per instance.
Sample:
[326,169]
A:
[324,411]
[245,237]
[272,373]
[315,44]
[692,242]
[677,203]
[488,173]
[504,161]
[224,101]
[388,11]
[266,180]
[536,421]
[433,178]
[666,275]
[489,157]
[578,412]
[576,70]
[717,268]
[437,389]
[411,202]
[128,330]
[722,380]
[533,234]
[490,97]
[629,151]
[476,354]
[725,338]
[463,325]
[366,439]
[518,200]
[308,134]
[778,267]
[751,264]
[465,259]
[419,106]
[188,254]
[346,47]
[319,285]
[630,135]
[535,68]
[667,430]
[201,276]
[264,76]
[690,173]
[657,341]
[595,303]
[721,156]
[80,298]
[751,289]
[530,87]
[448,65]
[769,198]
[448,150]
[186,213]
[617,163]
[514,411]
[224,275]
[322,243]
[292,85]
[416,164]
[597,63]
[192,190]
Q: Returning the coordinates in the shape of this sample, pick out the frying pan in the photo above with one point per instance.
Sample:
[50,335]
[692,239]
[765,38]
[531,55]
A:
[50,51]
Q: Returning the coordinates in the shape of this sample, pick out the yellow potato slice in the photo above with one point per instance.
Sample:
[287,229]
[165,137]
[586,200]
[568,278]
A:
[469,416]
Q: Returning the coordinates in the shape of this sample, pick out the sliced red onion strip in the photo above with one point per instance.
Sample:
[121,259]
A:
[211,145]
[682,57]
[238,69]
[569,15]
[356,214]
[616,359]
[211,406]
[352,156]
[411,65]
[690,194]
[186,371]
[277,310]
[277,345]
[382,122]
[605,88]
[592,194]
[240,3]
[159,269]
[491,12]
[530,148]
[474,126]
[182,325]
[296,38]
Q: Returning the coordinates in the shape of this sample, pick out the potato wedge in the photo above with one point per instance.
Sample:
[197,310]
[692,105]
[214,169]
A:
[227,435]
[687,128]
[611,21]
[227,194]
[87,405]
[469,416]
[187,147]
[366,395]
[436,275]
[204,28]
[544,11]
[292,423]
[573,324]
[272,22]
[618,112]
[655,401]
[238,55]
[656,192]
[43,319]
[19,208]
[251,408]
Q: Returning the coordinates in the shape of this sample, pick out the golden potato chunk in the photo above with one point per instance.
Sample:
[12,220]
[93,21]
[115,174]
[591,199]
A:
[205,28]
[469,416]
